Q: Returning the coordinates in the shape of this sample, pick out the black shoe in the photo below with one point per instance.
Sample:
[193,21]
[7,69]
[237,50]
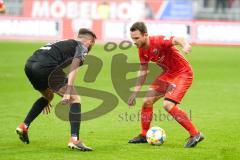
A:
[194,140]
[78,145]
[139,139]
[22,132]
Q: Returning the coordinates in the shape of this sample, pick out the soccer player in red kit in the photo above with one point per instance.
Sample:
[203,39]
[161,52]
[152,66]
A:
[172,84]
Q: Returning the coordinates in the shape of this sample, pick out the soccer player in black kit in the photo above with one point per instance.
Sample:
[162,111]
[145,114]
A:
[44,70]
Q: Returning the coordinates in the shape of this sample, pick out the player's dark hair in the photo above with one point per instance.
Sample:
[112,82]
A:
[139,26]
[86,32]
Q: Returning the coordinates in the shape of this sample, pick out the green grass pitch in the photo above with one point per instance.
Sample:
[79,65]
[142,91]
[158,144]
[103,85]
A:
[213,100]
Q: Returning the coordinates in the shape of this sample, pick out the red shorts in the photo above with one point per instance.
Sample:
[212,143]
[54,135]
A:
[173,86]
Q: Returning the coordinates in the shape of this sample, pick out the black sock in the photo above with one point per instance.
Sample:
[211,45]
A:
[35,110]
[75,119]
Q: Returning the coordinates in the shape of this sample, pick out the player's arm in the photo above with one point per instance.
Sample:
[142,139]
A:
[76,62]
[142,74]
[183,43]
[73,71]
[71,77]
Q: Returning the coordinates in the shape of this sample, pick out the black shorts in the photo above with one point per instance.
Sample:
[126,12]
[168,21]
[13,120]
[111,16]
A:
[42,78]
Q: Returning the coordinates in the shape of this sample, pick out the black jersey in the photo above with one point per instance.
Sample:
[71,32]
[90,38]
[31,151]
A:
[54,54]
[45,67]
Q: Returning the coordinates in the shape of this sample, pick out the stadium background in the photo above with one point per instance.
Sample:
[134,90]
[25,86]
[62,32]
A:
[212,26]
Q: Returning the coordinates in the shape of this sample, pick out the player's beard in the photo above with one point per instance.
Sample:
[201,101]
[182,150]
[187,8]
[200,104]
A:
[136,45]
[141,45]
[89,48]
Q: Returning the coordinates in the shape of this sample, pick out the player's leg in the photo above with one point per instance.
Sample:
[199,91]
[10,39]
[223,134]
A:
[181,117]
[37,108]
[39,105]
[147,109]
[40,84]
[75,120]
[48,94]
[146,114]
[170,105]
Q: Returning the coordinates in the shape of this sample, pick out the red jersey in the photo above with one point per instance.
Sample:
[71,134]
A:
[163,53]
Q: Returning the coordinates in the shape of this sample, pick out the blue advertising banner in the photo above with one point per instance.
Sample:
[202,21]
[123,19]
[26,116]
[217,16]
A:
[176,9]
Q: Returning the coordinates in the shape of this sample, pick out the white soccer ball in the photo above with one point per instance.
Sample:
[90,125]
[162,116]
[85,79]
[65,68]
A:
[156,136]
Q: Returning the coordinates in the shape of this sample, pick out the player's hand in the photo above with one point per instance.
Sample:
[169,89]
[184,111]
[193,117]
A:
[132,100]
[47,109]
[66,99]
[187,48]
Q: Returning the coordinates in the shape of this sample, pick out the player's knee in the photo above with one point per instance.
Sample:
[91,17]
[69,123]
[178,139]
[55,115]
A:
[49,96]
[167,105]
[148,101]
[75,99]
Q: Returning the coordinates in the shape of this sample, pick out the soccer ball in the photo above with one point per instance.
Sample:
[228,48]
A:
[156,136]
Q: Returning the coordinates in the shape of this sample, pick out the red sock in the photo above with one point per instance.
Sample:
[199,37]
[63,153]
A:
[146,118]
[181,117]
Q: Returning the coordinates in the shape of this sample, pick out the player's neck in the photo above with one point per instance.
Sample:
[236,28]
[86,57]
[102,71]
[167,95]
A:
[147,44]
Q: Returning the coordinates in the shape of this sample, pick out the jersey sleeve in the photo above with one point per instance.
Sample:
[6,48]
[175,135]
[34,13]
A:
[80,52]
[143,59]
[165,41]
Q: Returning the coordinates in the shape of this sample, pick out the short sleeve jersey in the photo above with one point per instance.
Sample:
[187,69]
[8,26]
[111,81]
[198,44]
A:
[163,53]
[54,54]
